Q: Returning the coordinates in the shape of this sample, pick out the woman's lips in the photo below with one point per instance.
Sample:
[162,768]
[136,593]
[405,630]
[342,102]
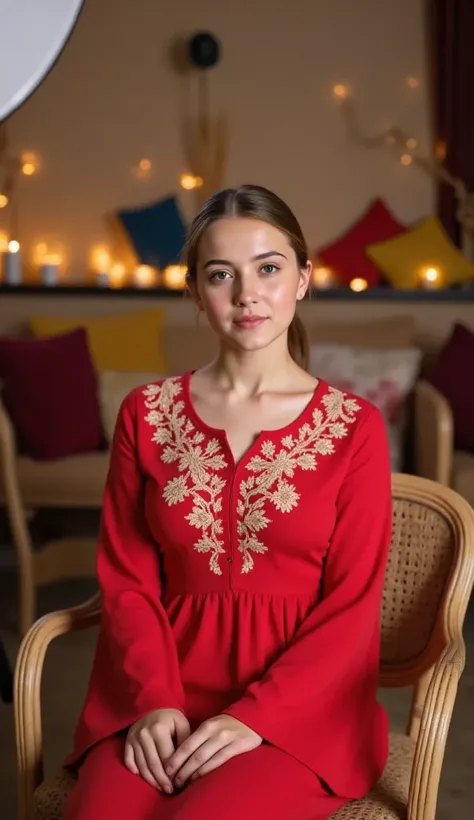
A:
[248,322]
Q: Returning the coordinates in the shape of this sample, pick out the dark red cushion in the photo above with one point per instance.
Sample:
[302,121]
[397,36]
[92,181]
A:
[451,374]
[346,255]
[49,388]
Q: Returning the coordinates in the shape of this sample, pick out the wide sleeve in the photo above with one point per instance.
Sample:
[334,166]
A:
[327,677]
[136,628]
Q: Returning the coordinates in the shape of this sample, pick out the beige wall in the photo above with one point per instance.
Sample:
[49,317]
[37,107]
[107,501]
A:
[113,98]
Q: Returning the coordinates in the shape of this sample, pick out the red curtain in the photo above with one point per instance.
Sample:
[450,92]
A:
[452,57]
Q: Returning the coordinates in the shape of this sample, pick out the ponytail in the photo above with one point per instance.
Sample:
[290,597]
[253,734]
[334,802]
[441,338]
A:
[298,344]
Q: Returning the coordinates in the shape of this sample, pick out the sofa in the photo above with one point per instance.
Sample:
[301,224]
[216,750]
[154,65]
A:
[77,482]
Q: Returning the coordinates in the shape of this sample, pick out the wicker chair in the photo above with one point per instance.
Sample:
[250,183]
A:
[428,583]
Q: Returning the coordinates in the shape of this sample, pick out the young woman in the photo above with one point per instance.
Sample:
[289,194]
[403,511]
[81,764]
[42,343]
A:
[246,524]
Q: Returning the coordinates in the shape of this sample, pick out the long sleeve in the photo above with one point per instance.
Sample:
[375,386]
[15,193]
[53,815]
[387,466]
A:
[136,628]
[318,698]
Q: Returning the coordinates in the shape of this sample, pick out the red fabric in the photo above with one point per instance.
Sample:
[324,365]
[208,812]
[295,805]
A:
[50,392]
[269,611]
[451,376]
[346,256]
[262,783]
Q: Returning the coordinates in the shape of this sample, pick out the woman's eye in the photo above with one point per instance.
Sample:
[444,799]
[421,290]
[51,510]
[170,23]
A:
[219,275]
[270,268]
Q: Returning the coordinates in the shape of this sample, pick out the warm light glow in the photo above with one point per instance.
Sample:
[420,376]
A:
[406,159]
[441,150]
[358,285]
[411,143]
[29,164]
[431,277]
[341,91]
[3,200]
[117,274]
[13,246]
[100,259]
[174,277]
[145,165]
[413,82]
[189,182]
[144,276]
[3,242]
[52,259]
[323,278]
[143,169]
[39,252]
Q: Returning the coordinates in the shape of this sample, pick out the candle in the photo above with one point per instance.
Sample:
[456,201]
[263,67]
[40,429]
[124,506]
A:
[144,277]
[49,270]
[430,278]
[174,277]
[323,278]
[12,266]
[103,280]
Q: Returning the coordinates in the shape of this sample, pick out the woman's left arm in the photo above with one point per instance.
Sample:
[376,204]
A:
[340,638]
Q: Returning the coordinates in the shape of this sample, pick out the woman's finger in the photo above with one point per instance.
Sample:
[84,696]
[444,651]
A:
[197,760]
[187,748]
[164,745]
[222,756]
[143,767]
[129,758]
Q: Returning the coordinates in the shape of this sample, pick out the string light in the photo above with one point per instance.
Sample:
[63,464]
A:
[411,143]
[413,82]
[143,169]
[358,285]
[406,159]
[341,91]
[30,163]
[190,182]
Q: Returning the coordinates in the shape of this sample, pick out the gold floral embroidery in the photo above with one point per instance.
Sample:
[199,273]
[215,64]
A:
[273,467]
[197,463]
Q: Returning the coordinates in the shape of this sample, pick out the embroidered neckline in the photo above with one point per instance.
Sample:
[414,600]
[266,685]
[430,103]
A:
[199,458]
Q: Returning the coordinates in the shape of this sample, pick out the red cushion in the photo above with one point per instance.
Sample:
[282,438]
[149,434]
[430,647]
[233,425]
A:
[49,388]
[346,256]
[452,376]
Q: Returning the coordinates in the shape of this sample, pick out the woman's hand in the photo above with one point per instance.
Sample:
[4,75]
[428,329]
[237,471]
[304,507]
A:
[215,742]
[150,743]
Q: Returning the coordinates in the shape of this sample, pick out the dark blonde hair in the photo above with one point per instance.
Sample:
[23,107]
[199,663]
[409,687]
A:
[255,202]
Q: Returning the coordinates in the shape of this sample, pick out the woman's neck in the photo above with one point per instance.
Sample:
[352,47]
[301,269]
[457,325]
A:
[248,373]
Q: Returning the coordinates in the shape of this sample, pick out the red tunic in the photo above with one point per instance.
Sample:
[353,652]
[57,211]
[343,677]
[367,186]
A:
[252,588]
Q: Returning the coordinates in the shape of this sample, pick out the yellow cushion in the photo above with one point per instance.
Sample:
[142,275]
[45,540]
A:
[127,342]
[403,259]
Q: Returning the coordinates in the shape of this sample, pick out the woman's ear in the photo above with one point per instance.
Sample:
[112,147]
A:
[305,279]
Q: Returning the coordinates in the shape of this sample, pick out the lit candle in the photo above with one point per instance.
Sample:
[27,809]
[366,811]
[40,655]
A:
[144,277]
[430,278]
[358,284]
[117,275]
[323,278]
[100,263]
[174,277]
[190,181]
[49,269]
[12,266]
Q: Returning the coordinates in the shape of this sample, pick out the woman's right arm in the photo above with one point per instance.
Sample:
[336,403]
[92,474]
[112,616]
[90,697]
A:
[136,626]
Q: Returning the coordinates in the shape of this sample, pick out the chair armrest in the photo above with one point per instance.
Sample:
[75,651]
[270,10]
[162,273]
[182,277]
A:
[434,434]
[27,690]
[433,732]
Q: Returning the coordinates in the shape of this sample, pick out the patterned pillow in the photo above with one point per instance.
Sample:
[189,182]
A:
[384,377]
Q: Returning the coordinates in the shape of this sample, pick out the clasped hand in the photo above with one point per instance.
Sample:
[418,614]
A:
[161,748]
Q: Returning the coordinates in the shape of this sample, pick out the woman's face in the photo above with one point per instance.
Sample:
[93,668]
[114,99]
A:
[248,281]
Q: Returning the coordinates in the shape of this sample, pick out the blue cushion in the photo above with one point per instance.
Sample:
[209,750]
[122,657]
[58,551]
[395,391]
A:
[157,232]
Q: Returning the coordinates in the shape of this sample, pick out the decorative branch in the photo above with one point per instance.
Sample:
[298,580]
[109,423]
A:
[395,137]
